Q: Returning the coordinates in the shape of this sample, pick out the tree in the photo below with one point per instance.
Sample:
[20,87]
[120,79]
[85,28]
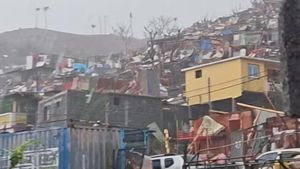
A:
[159,28]
[162,26]
[93,26]
[16,155]
[125,32]
[289,26]
[151,35]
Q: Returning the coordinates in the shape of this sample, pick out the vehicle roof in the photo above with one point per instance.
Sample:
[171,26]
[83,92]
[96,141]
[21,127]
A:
[280,151]
[165,155]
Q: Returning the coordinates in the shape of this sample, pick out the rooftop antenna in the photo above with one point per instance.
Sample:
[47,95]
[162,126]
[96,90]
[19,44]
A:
[46,8]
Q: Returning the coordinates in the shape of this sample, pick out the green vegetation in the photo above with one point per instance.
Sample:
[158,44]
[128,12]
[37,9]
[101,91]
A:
[16,155]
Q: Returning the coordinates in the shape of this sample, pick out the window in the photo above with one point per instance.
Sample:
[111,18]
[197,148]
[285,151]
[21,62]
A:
[198,74]
[116,101]
[168,162]
[46,113]
[58,104]
[156,164]
[289,154]
[268,157]
[253,71]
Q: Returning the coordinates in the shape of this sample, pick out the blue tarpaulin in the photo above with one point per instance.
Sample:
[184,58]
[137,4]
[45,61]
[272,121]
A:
[79,67]
[227,32]
[206,45]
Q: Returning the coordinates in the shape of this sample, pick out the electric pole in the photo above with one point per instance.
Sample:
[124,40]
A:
[105,24]
[100,25]
[131,19]
[46,8]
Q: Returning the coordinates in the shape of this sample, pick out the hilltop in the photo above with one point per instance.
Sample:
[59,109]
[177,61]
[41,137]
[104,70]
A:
[20,43]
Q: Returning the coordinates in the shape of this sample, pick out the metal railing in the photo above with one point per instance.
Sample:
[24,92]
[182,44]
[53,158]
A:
[281,163]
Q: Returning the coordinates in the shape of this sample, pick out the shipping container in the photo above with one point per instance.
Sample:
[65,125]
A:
[63,148]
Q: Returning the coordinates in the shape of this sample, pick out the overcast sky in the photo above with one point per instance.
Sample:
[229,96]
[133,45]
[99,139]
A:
[77,16]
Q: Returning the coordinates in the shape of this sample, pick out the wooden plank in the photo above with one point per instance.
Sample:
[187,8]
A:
[260,108]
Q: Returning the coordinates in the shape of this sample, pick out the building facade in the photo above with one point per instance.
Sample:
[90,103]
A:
[110,108]
[229,78]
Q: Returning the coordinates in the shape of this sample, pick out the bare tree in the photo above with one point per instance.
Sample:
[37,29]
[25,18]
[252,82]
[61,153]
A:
[125,32]
[159,28]
[151,35]
[163,26]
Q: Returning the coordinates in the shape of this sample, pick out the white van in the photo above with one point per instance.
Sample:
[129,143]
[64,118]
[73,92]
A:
[167,161]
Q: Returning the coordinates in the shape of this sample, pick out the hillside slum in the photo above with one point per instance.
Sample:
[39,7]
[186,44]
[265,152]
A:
[150,90]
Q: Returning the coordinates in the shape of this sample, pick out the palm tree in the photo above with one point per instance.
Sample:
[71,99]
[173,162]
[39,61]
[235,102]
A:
[93,27]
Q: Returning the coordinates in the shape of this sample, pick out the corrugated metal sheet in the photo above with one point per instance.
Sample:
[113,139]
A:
[93,148]
[62,148]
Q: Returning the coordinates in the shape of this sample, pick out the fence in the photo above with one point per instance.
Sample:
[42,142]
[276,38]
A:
[279,163]
[63,148]
[289,159]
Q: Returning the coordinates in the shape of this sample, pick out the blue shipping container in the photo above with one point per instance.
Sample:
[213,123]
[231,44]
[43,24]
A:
[63,148]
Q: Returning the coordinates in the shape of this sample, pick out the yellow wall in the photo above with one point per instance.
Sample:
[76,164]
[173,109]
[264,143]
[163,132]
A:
[21,118]
[9,119]
[225,82]
[5,119]
[254,84]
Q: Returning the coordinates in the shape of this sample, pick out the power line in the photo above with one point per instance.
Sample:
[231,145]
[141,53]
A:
[224,88]
[224,82]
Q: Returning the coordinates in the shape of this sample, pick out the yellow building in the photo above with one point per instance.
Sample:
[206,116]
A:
[228,78]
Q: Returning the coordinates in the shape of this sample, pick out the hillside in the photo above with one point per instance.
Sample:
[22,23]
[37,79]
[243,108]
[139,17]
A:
[20,43]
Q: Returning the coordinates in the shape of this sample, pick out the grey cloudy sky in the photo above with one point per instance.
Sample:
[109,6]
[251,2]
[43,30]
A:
[76,16]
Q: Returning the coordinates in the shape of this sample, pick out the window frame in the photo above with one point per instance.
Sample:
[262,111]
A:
[169,165]
[57,104]
[155,162]
[198,74]
[251,71]
[116,101]
[274,154]
[46,113]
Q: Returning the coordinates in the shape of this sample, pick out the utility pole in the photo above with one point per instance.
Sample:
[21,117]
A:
[46,8]
[126,113]
[100,25]
[105,132]
[105,23]
[167,143]
[209,94]
[131,19]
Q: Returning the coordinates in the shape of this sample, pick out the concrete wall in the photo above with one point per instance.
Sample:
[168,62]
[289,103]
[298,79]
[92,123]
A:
[53,109]
[116,109]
